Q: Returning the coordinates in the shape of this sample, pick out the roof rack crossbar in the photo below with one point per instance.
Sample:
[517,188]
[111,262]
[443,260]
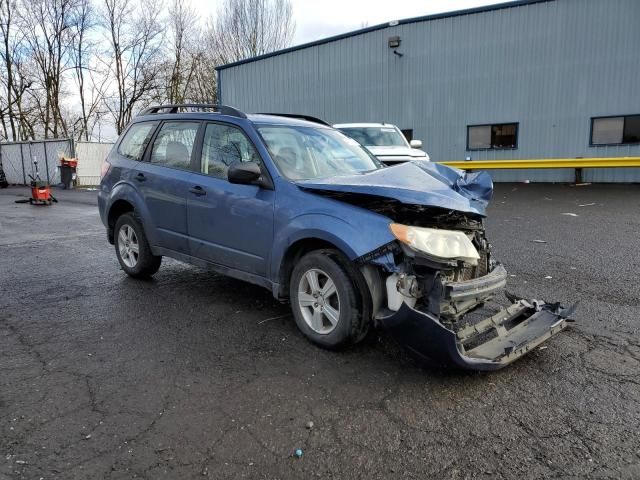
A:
[192,107]
[308,118]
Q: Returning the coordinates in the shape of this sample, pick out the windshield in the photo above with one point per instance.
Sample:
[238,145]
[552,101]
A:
[306,152]
[376,136]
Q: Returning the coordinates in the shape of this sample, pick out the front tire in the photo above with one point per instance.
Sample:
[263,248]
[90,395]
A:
[326,305]
[132,248]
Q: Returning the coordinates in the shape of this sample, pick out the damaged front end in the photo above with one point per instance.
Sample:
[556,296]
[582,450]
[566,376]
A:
[439,306]
[433,283]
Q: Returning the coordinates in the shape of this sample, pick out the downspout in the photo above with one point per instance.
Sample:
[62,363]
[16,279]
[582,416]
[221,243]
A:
[219,93]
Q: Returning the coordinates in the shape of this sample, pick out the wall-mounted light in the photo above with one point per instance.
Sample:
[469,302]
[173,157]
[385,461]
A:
[394,42]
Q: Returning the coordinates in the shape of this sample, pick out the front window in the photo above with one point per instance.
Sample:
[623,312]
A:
[306,152]
[222,146]
[376,136]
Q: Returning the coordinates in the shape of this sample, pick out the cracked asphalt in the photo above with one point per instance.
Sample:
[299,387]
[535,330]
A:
[194,375]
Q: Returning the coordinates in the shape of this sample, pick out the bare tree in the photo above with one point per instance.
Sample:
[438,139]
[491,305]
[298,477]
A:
[247,28]
[19,113]
[83,51]
[73,65]
[6,99]
[204,83]
[13,84]
[25,111]
[183,43]
[192,57]
[48,25]
[135,47]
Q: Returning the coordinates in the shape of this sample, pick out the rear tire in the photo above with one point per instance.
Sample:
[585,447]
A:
[326,304]
[132,248]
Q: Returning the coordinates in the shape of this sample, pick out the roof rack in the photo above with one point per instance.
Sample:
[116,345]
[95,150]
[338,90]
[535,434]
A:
[194,107]
[308,118]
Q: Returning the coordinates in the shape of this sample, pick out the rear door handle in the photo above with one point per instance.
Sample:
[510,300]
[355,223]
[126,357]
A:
[198,190]
[140,177]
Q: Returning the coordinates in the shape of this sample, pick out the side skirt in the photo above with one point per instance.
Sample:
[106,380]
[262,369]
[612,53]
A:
[221,269]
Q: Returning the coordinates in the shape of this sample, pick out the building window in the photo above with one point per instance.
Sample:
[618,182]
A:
[615,130]
[408,134]
[492,137]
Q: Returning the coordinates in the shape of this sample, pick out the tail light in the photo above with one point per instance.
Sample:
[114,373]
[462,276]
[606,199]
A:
[104,169]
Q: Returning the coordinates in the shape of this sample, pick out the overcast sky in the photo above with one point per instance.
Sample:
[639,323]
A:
[317,19]
[322,18]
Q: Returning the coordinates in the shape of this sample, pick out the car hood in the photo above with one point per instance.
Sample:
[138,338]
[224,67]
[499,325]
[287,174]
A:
[415,183]
[396,152]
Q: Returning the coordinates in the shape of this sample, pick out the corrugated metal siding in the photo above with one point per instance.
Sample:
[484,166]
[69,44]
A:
[549,66]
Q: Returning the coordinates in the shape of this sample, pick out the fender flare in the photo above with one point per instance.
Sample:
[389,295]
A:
[332,229]
[125,191]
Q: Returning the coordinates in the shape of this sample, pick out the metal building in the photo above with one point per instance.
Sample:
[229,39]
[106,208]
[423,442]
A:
[520,80]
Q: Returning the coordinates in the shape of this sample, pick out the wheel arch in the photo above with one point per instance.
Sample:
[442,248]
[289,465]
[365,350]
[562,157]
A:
[362,290]
[294,253]
[303,246]
[118,208]
[125,198]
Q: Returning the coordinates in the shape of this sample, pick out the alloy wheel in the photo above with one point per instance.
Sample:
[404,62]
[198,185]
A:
[128,246]
[318,300]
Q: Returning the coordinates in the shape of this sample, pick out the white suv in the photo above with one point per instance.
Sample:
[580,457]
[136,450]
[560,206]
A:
[385,141]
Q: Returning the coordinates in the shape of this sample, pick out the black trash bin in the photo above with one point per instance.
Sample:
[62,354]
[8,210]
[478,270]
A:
[66,175]
[67,169]
[3,179]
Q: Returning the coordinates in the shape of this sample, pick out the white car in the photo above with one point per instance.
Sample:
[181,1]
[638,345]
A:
[385,141]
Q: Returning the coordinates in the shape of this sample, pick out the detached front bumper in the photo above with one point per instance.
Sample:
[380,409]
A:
[489,344]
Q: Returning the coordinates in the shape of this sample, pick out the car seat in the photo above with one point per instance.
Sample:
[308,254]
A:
[177,155]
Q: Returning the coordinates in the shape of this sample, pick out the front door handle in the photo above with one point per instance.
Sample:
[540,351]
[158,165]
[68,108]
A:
[198,190]
[140,177]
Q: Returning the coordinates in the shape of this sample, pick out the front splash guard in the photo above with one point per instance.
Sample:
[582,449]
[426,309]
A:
[490,344]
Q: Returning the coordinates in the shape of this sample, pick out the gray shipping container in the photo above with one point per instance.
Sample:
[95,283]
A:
[547,65]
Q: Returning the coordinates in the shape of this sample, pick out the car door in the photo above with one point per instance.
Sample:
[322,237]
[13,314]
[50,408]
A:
[164,179]
[229,224]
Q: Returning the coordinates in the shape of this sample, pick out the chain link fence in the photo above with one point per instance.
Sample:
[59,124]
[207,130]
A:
[17,160]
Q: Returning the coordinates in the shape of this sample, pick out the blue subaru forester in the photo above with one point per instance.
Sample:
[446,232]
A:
[293,205]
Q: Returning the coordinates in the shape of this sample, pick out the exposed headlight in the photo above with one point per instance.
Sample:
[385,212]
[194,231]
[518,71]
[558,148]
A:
[444,244]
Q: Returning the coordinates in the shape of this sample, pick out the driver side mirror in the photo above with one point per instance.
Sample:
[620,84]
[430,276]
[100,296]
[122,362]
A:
[416,143]
[244,173]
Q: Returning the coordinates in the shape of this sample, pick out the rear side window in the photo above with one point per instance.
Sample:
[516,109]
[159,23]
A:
[174,144]
[136,139]
[224,145]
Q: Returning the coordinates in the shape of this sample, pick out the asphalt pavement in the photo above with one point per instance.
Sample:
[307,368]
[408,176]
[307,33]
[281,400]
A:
[194,375]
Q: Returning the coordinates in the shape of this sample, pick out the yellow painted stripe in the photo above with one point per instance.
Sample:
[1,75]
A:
[599,162]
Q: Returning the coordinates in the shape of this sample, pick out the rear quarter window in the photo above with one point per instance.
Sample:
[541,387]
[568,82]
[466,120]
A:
[136,139]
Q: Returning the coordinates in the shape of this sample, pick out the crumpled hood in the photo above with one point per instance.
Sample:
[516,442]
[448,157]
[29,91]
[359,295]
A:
[415,183]
[396,152]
